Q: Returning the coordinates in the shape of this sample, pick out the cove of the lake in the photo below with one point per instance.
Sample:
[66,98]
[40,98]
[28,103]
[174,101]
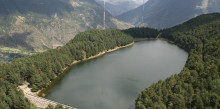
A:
[114,80]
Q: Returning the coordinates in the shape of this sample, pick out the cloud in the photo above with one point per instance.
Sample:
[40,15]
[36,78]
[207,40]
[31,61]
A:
[116,1]
[203,6]
[140,1]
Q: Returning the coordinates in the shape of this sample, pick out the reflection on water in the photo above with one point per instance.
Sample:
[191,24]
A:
[114,80]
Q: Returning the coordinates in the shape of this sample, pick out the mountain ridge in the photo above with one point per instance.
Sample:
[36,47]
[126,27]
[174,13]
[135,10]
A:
[119,7]
[167,13]
[38,25]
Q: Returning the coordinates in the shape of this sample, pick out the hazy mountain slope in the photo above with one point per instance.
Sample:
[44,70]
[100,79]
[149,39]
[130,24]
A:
[117,8]
[40,24]
[167,13]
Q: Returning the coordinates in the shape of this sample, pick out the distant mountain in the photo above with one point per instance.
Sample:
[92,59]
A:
[40,24]
[167,13]
[117,8]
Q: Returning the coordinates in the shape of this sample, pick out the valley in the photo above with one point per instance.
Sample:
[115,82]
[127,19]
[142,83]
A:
[59,47]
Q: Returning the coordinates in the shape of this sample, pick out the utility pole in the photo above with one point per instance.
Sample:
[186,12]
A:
[104,16]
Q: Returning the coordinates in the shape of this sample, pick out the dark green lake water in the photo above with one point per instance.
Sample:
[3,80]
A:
[113,81]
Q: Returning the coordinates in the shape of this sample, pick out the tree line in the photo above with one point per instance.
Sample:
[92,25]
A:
[142,32]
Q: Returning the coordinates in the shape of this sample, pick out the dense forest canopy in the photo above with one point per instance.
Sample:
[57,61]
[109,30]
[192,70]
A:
[196,86]
[142,32]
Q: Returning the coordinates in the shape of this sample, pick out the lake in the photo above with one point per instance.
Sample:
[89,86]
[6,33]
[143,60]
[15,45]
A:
[114,80]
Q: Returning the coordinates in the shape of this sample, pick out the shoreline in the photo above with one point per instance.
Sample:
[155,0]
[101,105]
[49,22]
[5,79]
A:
[95,56]
[24,87]
[143,39]
[149,39]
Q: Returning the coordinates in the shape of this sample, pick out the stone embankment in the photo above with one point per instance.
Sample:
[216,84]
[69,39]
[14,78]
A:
[38,101]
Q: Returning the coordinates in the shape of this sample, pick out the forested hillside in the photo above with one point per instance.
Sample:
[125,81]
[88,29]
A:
[40,69]
[198,84]
[162,14]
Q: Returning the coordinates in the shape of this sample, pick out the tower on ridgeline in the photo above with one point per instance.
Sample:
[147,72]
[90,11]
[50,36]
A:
[142,20]
[104,16]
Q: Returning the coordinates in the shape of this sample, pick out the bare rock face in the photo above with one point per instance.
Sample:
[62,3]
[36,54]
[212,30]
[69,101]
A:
[38,25]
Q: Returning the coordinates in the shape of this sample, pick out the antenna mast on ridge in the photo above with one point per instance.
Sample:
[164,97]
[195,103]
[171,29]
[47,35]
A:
[104,16]
[143,14]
